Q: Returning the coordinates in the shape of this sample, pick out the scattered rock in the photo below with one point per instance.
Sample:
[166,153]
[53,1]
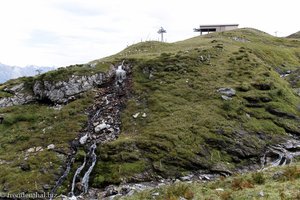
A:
[83,139]
[297,91]
[125,190]
[155,194]
[79,186]
[31,150]
[204,177]
[261,194]
[46,187]
[101,127]
[50,146]
[130,193]
[57,107]
[238,39]
[37,149]
[285,74]
[229,92]
[16,88]
[136,115]
[110,191]
[226,98]
[151,76]
[277,175]
[25,166]
[3,162]
[186,178]
[95,124]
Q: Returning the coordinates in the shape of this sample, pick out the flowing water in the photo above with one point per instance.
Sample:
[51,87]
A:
[62,178]
[86,177]
[108,102]
[76,175]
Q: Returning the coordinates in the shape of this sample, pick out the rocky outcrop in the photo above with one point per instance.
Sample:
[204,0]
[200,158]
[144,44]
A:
[19,96]
[64,91]
[18,99]
[281,154]
[59,92]
[226,93]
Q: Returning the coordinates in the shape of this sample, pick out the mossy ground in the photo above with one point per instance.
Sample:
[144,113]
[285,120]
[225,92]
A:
[37,125]
[188,126]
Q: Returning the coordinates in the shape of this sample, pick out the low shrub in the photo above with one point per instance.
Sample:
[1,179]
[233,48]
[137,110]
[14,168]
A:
[240,184]
[258,178]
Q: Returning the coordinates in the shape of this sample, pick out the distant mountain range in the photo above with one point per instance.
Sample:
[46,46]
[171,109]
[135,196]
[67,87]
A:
[11,72]
[295,35]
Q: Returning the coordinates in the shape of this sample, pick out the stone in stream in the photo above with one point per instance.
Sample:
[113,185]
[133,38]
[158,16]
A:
[125,190]
[186,178]
[101,127]
[83,139]
[110,191]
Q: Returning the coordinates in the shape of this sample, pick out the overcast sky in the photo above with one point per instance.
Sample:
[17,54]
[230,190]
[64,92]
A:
[65,32]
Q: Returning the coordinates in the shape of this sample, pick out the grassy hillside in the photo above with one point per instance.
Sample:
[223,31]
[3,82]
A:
[187,126]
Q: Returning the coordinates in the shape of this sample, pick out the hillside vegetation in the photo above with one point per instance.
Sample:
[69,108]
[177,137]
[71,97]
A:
[274,183]
[187,126]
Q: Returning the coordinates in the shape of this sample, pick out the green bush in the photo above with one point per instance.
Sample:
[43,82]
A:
[258,178]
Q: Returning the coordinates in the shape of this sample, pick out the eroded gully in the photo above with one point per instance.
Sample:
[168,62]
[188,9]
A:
[103,126]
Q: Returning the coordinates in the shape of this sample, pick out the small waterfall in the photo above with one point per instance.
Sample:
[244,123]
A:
[76,175]
[86,177]
[62,178]
[103,126]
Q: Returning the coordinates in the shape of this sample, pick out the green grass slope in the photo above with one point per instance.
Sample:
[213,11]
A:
[187,127]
